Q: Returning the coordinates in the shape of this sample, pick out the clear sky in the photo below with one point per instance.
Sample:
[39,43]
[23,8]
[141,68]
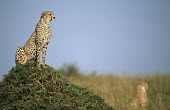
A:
[98,35]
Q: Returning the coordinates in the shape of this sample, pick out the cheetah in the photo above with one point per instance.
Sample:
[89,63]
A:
[140,99]
[37,42]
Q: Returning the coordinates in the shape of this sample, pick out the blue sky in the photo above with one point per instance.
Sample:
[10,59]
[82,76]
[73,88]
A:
[98,35]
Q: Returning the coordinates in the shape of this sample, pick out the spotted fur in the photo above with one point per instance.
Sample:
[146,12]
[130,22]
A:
[140,100]
[37,42]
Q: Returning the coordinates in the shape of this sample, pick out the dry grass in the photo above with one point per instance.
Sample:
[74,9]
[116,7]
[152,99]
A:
[117,90]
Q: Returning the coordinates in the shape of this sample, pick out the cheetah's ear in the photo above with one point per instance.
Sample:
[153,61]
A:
[42,14]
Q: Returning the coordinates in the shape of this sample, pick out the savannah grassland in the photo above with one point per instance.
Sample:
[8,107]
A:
[118,90]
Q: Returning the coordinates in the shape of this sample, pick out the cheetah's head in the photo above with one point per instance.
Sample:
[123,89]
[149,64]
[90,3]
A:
[142,86]
[47,16]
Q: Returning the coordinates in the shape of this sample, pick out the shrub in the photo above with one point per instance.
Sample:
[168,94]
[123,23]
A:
[27,87]
[69,70]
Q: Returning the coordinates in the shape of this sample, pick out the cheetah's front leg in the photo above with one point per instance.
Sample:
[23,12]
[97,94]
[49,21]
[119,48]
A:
[38,56]
[43,56]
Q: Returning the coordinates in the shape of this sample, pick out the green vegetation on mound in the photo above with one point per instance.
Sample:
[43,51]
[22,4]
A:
[27,87]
